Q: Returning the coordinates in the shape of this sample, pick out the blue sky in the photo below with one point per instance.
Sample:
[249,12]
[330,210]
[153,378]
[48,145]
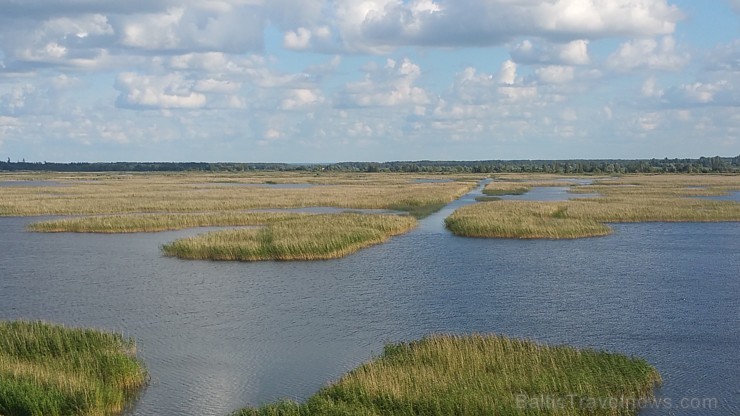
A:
[368,80]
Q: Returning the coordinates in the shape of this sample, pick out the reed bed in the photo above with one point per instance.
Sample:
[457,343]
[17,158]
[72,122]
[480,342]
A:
[188,193]
[48,369]
[665,198]
[136,223]
[482,375]
[520,219]
[314,237]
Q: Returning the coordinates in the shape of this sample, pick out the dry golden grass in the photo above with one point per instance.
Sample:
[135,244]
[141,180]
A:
[137,223]
[313,237]
[184,193]
[666,198]
[521,219]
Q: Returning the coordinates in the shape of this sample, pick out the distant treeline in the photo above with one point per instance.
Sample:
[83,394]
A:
[714,164]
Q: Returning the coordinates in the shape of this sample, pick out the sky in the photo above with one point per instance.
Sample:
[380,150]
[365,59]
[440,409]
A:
[368,80]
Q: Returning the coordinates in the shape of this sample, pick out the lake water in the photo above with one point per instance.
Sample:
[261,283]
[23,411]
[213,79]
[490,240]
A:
[730,196]
[217,336]
[548,193]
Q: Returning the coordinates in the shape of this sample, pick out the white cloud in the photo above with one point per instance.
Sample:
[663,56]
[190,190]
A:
[301,98]
[648,54]
[157,31]
[7,125]
[507,74]
[272,134]
[702,93]
[650,89]
[391,85]
[571,53]
[375,25]
[555,74]
[167,91]
[207,26]
[298,39]
[211,85]
[303,38]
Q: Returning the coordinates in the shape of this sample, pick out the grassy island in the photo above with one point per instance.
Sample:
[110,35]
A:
[312,237]
[48,369]
[640,198]
[137,223]
[482,375]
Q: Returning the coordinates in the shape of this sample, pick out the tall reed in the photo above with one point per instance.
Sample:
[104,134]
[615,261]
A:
[160,193]
[482,375]
[134,223]
[313,237]
[49,369]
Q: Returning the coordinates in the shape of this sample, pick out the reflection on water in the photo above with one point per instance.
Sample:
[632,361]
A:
[30,183]
[730,196]
[219,335]
[548,193]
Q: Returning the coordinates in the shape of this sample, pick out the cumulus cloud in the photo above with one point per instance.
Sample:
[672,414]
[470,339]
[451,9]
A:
[156,92]
[720,92]
[650,88]
[378,24]
[507,74]
[571,53]
[8,124]
[301,99]
[555,74]
[86,34]
[391,85]
[200,27]
[662,54]
[80,33]
[303,38]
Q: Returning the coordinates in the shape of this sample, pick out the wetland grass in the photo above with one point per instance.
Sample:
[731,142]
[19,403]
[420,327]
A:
[135,223]
[48,369]
[628,199]
[520,219]
[482,375]
[190,193]
[313,237]
[486,198]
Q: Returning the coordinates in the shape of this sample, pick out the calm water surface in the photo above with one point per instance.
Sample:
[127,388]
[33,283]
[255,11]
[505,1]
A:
[217,336]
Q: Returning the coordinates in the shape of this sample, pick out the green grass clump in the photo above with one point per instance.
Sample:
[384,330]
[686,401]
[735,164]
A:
[158,222]
[486,198]
[507,191]
[521,219]
[482,375]
[314,237]
[48,369]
